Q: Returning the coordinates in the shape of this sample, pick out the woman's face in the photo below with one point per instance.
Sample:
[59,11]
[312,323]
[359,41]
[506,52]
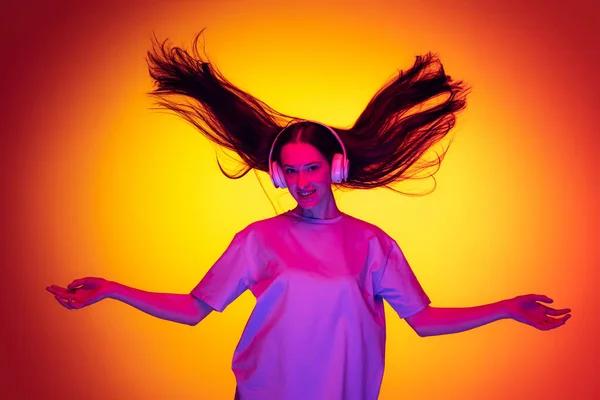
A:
[307,175]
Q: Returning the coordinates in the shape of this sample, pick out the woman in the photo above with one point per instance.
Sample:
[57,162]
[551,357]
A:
[319,275]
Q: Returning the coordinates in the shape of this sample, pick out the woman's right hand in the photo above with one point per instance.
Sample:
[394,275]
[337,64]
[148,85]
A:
[81,292]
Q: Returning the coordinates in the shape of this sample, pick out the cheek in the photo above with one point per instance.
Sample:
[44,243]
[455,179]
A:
[324,177]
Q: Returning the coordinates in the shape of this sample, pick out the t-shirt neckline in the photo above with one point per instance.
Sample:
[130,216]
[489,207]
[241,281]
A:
[315,220]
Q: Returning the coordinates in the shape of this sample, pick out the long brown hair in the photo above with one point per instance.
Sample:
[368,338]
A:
[385,144]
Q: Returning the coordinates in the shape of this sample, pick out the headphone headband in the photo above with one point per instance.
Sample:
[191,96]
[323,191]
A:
[298,122]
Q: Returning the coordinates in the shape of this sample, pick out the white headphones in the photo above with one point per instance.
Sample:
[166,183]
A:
[340,164]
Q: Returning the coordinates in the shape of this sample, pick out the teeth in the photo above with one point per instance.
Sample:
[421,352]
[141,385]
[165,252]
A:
[306,193]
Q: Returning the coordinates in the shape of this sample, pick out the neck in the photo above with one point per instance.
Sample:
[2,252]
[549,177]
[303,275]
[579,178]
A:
[325,209]
[330,212]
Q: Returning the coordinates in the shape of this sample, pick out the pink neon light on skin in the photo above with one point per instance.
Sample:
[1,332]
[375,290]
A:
[305,169]
[316,291]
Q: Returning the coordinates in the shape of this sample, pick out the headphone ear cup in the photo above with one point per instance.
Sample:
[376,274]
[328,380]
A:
[277,176]
[346,169]
[336,168]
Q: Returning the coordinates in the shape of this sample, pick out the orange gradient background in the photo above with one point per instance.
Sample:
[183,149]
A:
[96,183]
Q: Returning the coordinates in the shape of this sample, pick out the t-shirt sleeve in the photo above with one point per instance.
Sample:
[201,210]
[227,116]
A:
[396,283]
[228,278]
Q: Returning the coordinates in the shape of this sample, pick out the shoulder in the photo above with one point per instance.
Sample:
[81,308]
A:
[369,229]
[265,226]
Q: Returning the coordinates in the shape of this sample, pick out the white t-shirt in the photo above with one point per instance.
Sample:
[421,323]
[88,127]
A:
[317,331]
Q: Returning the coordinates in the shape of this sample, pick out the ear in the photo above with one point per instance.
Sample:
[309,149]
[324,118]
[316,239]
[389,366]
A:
[277,176]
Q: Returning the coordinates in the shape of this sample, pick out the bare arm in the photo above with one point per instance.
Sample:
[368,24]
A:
[433,321]
[181,308]
[526,309]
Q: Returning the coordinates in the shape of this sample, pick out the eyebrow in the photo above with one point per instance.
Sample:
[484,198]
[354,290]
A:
[306,165]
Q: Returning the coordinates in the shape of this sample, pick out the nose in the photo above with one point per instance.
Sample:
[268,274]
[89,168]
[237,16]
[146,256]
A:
[302,180]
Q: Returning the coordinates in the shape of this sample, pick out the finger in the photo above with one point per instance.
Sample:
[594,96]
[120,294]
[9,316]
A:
[65,295]
[63,302]
[540,297]
[76,283]
[553,323]
[565,318]
[79,300]
[552,311]
[62,293]
[56,290]
[76,305]
[556,322]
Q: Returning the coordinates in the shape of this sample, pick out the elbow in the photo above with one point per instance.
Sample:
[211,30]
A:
[198,311]
[421,322]
[194,320]
[419,330]
[422,333]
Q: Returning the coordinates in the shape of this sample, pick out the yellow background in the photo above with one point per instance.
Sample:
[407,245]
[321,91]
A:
[95,183]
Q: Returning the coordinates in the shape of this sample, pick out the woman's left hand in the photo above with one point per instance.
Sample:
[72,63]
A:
[527,310]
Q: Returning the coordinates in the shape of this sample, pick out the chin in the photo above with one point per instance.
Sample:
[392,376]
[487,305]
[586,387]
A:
[307,205]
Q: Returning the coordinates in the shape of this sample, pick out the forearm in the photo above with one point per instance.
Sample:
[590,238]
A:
[181,308]
[443,321]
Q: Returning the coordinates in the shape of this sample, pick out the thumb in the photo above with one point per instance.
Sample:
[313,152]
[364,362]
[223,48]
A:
[76,283]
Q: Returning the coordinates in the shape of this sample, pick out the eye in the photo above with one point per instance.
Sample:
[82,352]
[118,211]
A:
[313,168]
[289,171]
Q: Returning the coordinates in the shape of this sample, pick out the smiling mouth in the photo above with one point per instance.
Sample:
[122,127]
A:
[307,193]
